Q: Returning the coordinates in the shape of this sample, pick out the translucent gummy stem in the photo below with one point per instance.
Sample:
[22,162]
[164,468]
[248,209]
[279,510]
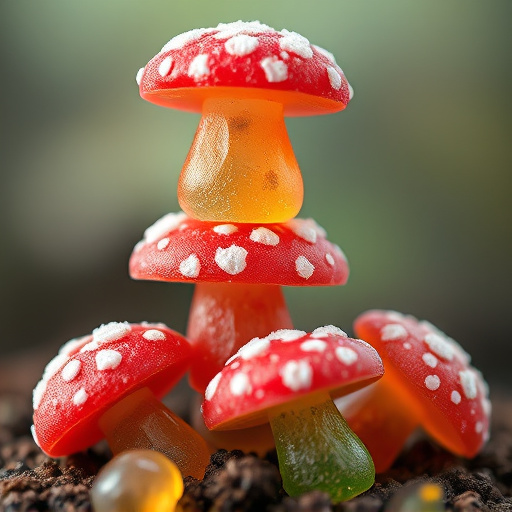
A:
[318,451]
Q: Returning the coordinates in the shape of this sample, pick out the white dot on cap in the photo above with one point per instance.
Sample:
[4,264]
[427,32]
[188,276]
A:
[232,259]
[241,45]
[240,384]
[199,67]
[80,397]
[334,78]
[328,330]
[468,382]
[297,375]
[329,259]
[153,335]
[455,397]
[346,355]
[190,267]
[304,267]
[163,226]
[479,427]
[162,244]
[225,229]
[286,335]
[165,66]
[295,43]
[264,236]
[253,348]
[275,70]
[138,76]
[110,332]
[34,435]
[429,359]
[70,371]
[108,359]
[393,332]
[432,382]
[439,346]
[313,346]
[212,386]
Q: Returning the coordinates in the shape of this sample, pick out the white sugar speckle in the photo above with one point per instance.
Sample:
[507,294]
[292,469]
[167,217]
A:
[240,384]
[286,335]
[199,67]
[80,397]
[455,397]
[439,346]
[232,259]
[138,76]
[304,267]
[393,332]
[325,53]
[329,259]
[181,40]
[225,229]
[34,435]
[162,244]
[468,382]
[327,330]
[110,332]
[295,43]
[346,355]
[212,387]
[334,78]
[241,45]
[429,359]
[275,70]
[108,359]
[153,335]
[70,371]
[432,382]
[264,236]
[407,345]
[313,346]
[190,267]
[164,225]
[165,66]
[253,348]
[297,375]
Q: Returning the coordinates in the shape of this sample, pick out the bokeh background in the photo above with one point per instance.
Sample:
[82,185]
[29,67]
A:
[412,180]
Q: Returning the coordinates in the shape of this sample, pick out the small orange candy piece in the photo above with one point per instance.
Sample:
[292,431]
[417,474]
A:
[138,481]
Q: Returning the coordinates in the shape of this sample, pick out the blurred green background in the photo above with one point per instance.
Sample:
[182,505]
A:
[412,180]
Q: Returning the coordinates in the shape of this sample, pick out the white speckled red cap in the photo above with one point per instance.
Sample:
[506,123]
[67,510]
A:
[449,395]
[265,63]
[296,253]
[286,367]
[92,373]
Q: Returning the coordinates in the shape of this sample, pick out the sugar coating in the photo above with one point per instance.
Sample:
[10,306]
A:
[165,66]
[182,40]
[241,27]
[468,382]
[241,45]
[307,229]
[110,332]
[80,397]
[264,236]
[313,346]
[232,259]
[393,332]
[225,229]
[72,345]
[138,76]
[297,375]
[162,226]
[432,382]
[286,335]
[163,244]
[212,386]
[327,330]
[153,335]
[304,267]
[439,346]
[199,67]
[71,370]
[346,355]
[329,259]
[334,78]
[325,53]
[253,348]
[275,70]
[429,359]
[295,43]
[407,346]
[455,397]
[108,359]
[190,267]
[240,384]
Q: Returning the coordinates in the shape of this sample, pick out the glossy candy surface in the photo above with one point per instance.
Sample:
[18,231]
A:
[137,481]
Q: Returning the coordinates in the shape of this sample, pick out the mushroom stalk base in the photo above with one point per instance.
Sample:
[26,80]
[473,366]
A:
[140,421]
[318,451]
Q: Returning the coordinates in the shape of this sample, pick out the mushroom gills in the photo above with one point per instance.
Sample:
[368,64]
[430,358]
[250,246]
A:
[318,451]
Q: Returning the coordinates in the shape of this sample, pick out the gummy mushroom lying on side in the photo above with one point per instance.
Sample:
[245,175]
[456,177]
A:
[107,384]
[244,77]
[238,270]
[289,378]
[429,382]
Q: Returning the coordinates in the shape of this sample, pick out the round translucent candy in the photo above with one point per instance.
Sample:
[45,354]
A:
[137,481]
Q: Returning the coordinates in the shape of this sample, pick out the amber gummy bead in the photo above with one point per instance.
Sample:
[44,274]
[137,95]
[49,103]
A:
[137,481]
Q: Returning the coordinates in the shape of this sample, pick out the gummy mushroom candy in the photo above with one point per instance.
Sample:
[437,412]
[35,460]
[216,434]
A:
[289,379]
[138,480]
[238,269]
[243,77]
[107,384]
[429,382]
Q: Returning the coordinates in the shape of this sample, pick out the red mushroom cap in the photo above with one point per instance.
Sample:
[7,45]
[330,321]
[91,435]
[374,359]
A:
[449,396]
[277,66]
[92,373]
[287,366]
[296,253]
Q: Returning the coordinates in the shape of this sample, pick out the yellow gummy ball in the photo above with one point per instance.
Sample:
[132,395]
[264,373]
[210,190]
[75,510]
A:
[137,481]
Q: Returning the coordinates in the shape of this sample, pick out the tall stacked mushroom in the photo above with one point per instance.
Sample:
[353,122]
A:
[240,187]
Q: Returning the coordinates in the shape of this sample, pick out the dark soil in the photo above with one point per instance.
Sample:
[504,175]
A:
[234,481]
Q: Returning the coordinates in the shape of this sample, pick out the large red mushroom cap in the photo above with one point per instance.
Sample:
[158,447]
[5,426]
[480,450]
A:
[92,373]
[285,367]
[249,56]
[296,253]
[448,395]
